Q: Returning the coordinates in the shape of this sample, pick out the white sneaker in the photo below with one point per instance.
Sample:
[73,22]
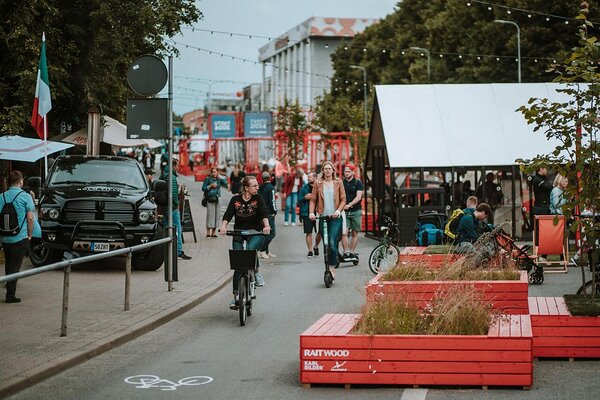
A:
[285,223]
[262,254]
[271,255]
[293,224]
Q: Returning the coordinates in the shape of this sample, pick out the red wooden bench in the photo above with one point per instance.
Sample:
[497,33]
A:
[330,354]
[557,333]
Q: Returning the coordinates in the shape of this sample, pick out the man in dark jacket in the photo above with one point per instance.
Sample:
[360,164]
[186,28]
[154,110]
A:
[466,231]
[541,190]
[308,225]
[176,214]
[267,191]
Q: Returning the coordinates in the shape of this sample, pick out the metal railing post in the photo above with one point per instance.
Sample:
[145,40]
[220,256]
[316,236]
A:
[65,307]
[127,280]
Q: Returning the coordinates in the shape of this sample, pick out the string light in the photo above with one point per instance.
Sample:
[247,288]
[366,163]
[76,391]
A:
[548,17]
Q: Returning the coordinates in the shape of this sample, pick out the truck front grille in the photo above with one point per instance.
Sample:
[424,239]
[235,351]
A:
[78,210]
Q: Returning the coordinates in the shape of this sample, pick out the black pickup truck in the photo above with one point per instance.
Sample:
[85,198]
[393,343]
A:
[93,204]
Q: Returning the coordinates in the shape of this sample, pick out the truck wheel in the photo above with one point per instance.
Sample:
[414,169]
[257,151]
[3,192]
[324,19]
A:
[152,259]
[41,255]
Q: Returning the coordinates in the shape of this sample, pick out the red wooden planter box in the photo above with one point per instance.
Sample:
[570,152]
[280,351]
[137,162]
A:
[508,296]
[557,333]
[329,354]
[416,254]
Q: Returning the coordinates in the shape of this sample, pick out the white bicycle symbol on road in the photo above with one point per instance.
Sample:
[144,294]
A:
[153,381]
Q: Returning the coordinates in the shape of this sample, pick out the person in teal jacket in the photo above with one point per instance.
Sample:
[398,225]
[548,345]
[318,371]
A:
[466,230]
[176,214]
[212,190]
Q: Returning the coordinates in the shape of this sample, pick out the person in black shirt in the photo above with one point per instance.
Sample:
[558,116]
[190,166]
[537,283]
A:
[541,190]
[267,191]
[250,212]
[354,193]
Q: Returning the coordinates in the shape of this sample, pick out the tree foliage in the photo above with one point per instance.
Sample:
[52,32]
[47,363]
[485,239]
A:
[90,45]
[291,122]
[452,28]
[574,125]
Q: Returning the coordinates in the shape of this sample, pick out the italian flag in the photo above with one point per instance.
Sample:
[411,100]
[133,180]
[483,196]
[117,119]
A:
[42,103]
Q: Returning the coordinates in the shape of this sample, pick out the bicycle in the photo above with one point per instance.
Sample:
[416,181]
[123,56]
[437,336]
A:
[595,268]
[385,255]
[245,261]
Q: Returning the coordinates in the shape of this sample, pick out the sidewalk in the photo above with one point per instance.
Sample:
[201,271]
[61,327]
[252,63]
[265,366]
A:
[30,344]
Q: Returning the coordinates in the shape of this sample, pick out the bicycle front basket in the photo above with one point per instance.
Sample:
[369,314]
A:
[242,260]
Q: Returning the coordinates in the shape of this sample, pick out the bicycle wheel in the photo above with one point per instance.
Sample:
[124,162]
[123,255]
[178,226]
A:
[383,257]
[588,288]
[243,300]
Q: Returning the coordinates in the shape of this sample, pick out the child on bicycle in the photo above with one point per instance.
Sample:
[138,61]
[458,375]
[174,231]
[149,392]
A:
[329,199]
[250,212]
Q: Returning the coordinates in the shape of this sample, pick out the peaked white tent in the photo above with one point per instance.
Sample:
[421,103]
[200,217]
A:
[112,132]
[457,125]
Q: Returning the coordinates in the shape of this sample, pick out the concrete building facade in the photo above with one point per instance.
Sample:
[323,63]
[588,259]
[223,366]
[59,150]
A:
[297,65]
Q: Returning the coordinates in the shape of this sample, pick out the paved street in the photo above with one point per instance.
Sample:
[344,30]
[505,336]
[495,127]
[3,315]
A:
[259,361]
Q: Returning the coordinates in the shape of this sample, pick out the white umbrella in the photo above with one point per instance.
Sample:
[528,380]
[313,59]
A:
[18,148]
[113,132]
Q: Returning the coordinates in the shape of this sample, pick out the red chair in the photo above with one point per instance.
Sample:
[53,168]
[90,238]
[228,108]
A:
[549,239]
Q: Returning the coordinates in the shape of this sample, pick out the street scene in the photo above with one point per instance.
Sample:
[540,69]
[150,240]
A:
[274,199]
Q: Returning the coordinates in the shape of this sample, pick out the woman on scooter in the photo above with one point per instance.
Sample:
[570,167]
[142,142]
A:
[328,199]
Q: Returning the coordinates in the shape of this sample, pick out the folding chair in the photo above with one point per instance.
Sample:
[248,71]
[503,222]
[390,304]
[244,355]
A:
[549,239]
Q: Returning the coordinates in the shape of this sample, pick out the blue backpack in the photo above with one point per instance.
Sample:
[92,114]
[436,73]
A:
[429,234]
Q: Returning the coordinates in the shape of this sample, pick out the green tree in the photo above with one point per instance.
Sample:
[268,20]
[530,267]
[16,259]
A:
[291,121]
[574,124]
[90,45]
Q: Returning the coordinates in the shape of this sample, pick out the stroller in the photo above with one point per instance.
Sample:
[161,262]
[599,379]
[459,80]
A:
[521,257]
[429,229]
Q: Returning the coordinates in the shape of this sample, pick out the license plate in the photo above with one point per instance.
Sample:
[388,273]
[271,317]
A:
[97,247]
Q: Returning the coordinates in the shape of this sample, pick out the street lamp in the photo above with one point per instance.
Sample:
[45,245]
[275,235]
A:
[364,90]
[501,21]
[424,50]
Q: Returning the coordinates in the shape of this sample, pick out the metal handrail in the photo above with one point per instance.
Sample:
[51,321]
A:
[66,265]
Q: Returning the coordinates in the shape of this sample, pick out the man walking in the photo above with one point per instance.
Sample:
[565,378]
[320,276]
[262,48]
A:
[353,209]
[308,225]
[267,191]
[16,210]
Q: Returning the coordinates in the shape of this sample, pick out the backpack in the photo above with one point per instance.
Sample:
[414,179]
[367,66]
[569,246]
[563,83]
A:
[452,224]
[429,234]
[9,220]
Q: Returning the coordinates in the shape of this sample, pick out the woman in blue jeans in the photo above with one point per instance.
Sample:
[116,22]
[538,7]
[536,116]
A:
[250,212]
[329,199]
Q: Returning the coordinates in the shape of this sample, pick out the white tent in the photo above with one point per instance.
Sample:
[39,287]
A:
[113,132]
[458,125]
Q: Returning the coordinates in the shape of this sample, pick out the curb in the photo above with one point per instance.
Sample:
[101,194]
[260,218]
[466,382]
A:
[61,364]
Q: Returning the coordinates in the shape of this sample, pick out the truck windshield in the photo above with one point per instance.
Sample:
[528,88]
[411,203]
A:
[88,171]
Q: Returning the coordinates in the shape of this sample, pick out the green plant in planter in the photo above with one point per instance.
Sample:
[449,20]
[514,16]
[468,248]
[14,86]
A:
[460,310]
[574,124]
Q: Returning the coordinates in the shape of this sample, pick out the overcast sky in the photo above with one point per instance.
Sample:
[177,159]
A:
[254,17]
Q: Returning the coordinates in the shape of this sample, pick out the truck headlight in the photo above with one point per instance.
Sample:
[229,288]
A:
[144,216]
[50,213]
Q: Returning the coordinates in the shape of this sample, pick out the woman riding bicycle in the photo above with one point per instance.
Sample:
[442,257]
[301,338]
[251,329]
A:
[328,200]
[250,212]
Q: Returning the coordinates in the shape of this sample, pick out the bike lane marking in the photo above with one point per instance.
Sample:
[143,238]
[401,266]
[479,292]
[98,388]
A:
[153,381]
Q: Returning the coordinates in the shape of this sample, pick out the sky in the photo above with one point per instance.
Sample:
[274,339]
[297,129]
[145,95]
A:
[269,18]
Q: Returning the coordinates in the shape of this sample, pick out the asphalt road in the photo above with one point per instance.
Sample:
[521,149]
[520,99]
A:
[261,360]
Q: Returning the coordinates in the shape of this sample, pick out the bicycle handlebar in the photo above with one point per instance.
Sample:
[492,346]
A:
[244,232]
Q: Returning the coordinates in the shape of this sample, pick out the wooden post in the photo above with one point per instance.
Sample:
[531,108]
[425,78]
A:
[127,280]
[65,306]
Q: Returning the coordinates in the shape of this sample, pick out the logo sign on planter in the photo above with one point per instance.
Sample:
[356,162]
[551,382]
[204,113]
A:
[258,124]
[222,126]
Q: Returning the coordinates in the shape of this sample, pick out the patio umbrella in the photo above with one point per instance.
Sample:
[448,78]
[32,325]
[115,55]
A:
[113,132]
[18,148]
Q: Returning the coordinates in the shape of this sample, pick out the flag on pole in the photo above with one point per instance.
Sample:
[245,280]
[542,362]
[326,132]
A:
[42,103]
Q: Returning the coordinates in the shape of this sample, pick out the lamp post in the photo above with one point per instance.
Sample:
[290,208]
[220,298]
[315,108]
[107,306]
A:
[501,21]
[208,97]
[426,51]
[364,91]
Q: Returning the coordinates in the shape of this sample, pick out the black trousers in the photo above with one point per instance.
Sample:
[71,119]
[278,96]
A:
[13,258]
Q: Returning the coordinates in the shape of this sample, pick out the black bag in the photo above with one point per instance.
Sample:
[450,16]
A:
[212,198]
[9,220]
[204,200]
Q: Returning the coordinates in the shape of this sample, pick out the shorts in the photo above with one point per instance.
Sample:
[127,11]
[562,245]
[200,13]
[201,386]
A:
[354,220]
[308,226]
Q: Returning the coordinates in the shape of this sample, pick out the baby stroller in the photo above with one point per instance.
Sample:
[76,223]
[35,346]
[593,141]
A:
[519,254]
[429,229]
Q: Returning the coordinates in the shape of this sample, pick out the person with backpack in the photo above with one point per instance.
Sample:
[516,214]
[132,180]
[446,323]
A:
[466,229]
[17,222]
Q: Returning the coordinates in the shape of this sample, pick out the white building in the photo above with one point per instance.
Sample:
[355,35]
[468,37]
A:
[297,65]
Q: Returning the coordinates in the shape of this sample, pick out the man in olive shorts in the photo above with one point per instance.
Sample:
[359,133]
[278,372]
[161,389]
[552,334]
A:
[354,193]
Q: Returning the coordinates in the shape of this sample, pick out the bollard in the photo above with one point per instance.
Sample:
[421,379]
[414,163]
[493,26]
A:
[127,280]
[65,307]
